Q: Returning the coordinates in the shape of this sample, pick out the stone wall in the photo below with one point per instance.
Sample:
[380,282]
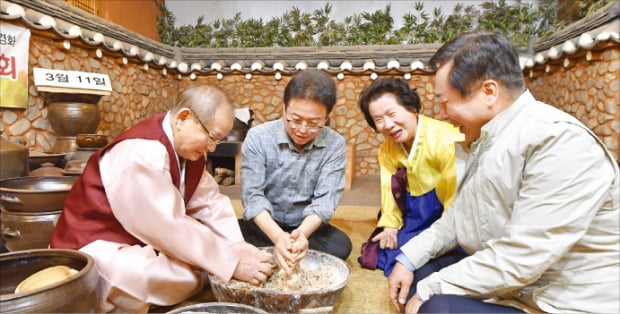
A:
[263,94]
[587,89]
[137,94]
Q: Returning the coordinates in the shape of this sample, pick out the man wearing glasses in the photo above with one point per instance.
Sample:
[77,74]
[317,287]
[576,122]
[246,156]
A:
[292,175]
[151,216]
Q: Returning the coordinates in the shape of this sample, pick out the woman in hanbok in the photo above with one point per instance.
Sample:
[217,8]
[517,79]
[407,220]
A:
[417,167]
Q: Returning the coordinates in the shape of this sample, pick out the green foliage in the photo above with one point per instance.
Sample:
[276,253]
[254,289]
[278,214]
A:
[521,22]
[375,28]
[586,7]
[165,24]
[330,33]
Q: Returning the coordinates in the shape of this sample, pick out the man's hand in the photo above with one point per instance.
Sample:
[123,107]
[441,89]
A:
[287,248]
[413,306]
[255,266]
[387,238]
[282,251]
[299,246]
[399,283]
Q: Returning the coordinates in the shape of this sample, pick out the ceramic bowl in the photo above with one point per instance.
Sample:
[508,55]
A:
[76,294]
[91,140]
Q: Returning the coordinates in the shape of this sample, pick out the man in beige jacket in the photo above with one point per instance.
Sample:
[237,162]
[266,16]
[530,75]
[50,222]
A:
[537,211]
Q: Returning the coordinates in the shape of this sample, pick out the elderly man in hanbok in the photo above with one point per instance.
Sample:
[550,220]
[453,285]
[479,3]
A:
[150,215]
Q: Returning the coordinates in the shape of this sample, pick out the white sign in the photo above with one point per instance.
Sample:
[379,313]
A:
[48,80]
[14,41]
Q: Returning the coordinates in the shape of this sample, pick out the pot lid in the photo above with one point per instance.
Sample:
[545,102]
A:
[8,146]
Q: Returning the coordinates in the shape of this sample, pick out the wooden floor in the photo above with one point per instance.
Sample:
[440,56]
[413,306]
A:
[364,192]
[366,291]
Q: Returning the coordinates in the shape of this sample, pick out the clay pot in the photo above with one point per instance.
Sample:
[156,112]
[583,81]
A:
[64,145]
[46,169]
[35,194]
[71,118]
[76,294]
[91,140]
[26,230]
[36,159]
[13,159]
[70,114]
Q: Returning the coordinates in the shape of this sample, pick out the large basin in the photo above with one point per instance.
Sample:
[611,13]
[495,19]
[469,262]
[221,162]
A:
[275,300]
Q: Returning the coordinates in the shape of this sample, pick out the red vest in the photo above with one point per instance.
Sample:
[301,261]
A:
[87,216]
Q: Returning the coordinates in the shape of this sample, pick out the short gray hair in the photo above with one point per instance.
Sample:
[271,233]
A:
[203,100]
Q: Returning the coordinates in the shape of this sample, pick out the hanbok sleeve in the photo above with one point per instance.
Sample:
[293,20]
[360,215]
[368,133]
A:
[391,216]
[143,198]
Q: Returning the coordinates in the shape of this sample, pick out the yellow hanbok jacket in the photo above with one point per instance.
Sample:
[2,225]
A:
[431,164]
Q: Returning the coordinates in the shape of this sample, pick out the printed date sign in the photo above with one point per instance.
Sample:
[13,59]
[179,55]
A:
[47,80]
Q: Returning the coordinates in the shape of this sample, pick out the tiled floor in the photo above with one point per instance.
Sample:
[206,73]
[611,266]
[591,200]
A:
[366,291]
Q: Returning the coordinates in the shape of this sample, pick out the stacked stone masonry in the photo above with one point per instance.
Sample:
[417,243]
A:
[588,89]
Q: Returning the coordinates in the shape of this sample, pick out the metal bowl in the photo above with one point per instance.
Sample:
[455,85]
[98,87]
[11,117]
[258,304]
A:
[279,301]
[76,294]
[35,194]
[217,307]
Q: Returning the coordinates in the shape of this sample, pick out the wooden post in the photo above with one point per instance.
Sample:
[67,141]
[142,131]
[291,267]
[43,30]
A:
[238,167]
[349,170]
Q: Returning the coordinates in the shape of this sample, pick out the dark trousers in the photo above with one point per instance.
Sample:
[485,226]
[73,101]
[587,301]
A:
[446,303]
[326,238]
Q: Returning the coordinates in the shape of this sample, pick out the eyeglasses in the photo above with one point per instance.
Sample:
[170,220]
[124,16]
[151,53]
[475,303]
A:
[296,125]
[212,140]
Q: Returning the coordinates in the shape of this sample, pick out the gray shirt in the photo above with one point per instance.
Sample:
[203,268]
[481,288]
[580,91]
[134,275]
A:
[289,183]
